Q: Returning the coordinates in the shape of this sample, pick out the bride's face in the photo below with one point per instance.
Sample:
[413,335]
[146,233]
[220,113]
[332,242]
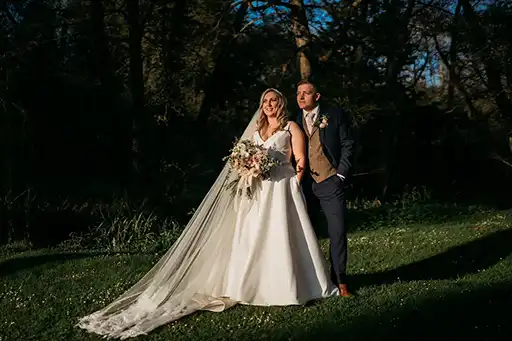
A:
[270,104]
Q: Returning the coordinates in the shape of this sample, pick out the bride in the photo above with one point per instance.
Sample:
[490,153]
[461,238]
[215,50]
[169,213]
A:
[235,250]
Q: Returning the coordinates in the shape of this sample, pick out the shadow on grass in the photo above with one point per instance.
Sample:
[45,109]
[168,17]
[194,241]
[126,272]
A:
[392,215]
[474,313]
[20,263]
[457,261]
[421,213]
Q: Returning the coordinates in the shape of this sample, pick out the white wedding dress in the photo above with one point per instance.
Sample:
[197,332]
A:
[276,258]
[263,253]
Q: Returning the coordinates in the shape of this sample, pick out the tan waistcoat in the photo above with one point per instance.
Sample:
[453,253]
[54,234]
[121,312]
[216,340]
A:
[319,165]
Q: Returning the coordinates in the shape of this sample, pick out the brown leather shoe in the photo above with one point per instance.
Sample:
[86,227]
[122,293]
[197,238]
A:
[344,291]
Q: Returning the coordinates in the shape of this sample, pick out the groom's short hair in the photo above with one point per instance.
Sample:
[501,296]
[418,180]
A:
[305,81]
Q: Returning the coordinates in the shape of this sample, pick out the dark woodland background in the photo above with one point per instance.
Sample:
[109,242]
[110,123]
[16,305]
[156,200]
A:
[115,114]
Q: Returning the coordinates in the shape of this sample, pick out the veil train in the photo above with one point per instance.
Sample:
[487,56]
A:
[188,278]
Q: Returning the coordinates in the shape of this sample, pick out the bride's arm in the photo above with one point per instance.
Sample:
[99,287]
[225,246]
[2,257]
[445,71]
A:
[298,149]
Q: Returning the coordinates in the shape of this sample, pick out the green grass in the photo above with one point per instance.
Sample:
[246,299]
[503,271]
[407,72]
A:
[414,281]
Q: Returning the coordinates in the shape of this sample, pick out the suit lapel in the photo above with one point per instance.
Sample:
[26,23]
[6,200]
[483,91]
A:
[322,131]
[315,128]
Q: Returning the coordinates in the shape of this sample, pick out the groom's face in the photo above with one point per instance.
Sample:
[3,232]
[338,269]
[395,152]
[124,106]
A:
[307,96]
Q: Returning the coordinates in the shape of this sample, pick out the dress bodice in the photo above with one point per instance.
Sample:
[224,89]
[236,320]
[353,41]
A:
[279,144]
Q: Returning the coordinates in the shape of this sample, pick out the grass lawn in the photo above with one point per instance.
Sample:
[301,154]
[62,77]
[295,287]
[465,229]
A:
[413,282]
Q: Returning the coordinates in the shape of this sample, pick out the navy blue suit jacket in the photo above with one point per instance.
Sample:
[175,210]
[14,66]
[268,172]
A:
[336,139]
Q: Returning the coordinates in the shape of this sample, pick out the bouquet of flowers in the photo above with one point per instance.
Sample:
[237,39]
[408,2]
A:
[250,162]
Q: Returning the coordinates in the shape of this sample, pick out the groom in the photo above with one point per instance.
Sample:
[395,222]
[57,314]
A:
[329,148]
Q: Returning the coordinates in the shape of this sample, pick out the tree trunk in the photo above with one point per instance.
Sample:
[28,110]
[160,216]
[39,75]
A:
[300,29]
[396,59]
[103,65]
[213,89]
[173,22]
[138,117]
[358,62]
[453,55]
[492,66]
[117,124]
[456,82]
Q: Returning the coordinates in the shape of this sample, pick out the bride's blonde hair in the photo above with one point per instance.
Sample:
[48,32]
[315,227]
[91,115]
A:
[282,117]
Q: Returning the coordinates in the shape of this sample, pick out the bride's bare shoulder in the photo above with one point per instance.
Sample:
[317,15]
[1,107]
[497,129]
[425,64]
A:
[294,127]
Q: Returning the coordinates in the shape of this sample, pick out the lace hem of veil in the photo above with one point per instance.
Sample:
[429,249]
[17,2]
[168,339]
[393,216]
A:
[140,320]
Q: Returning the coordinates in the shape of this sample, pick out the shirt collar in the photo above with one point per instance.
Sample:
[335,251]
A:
[314,112]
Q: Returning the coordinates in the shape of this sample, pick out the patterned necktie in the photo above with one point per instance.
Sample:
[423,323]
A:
[310,121]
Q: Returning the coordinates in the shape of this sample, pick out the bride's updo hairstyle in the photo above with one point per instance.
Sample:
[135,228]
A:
[282,116]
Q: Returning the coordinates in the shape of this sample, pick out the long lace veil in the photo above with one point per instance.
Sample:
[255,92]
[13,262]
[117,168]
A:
[189,277]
